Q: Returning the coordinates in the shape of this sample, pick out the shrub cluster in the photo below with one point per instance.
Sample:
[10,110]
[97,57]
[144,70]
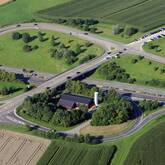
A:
[124,30]
[155,82]
[85,24]
[8,90]
[87,58]
[43,107]
[77,87]
[61,51]
[113,110]
[112,71]
[6,76]
[149,105]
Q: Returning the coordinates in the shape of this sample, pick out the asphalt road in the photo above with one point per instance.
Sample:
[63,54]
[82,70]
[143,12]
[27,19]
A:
[7,109]
[135,91]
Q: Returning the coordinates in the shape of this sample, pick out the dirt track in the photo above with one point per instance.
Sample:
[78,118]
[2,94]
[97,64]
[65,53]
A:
[20,149]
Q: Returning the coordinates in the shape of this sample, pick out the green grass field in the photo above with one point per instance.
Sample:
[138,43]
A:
[149,148]
[138,13]
[23,10]
[67,153]
[160,43]
[142,71]
[40,59]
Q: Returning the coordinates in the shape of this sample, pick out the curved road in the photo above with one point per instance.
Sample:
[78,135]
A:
[13,103]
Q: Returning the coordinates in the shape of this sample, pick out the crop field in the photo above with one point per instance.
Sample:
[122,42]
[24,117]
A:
[40,59]
[67,153]
[142,71]
[149,148]
[23,10]
[144,14]
[21,149]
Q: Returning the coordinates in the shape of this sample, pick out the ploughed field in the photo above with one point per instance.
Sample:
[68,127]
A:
[4,1]
[149,148]
[21,149]
[143,14]
[68,153]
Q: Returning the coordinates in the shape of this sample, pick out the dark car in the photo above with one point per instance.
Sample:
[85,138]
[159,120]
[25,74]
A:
[69,77]
[18,25]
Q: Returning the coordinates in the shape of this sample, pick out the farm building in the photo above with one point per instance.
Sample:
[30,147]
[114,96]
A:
[70,101]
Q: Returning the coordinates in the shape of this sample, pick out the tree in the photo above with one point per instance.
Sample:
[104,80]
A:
[27,48]
[113,110]
[16,36]
[26,37]
[134,61]
[130,31]
[117,29]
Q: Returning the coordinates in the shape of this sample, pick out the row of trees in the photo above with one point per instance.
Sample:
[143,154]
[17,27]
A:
[77,87]
[8,90]
[6,76]
[113,110]
[112,71]
[52,134]
[155,82]
[149,105]
[87,58]
[85,24]
[126,30]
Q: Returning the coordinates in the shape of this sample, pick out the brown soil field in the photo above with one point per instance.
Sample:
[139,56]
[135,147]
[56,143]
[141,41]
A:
[4,1]
[106,130]
[20,149]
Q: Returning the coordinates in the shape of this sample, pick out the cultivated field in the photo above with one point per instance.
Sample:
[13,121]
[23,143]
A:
[139,13]
[19,149]
[149,149]
[4,1]
[68,153]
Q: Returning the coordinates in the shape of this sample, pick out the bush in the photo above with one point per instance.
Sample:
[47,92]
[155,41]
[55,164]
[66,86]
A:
[130,31]
[27,48]
[117,29]
[134,61]
[16,36]
[149,105]
[26,37]
[140,57]
[35,47]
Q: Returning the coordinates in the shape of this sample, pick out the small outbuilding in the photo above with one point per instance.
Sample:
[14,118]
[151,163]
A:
[71,101]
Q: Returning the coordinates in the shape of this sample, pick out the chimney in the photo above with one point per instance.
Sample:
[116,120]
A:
[96,98]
